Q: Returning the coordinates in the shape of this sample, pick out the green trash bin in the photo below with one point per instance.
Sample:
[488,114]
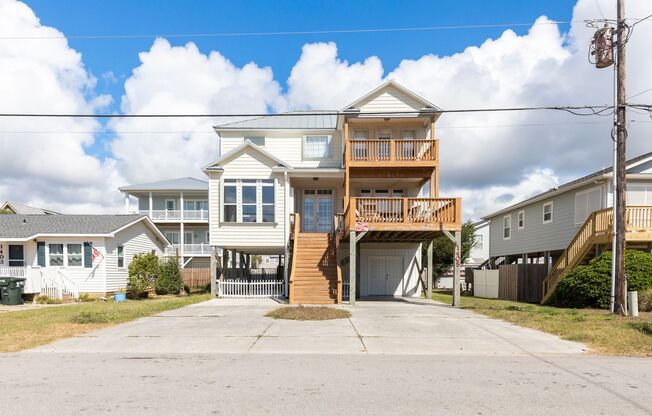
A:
[11,290]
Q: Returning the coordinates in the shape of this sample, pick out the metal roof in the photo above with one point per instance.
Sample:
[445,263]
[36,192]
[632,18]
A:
[14,226]
[177,184]
[25,209]
[293,120]
[569,185]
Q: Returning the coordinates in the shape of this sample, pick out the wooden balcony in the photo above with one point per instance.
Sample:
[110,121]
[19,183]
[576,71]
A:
[402,214]
[393,152]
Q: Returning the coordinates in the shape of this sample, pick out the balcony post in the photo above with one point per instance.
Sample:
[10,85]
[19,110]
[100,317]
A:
[126,203]
[151,211]
[392,151]
[456,268]
[181,204]
[405,210]
[352,267]
[429,270]
[182,238]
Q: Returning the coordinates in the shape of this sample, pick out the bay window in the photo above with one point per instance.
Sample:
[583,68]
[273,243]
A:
[248,201]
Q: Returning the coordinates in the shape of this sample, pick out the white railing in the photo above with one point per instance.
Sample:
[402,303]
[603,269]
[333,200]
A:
[11,271]
[241,289]
[188,249]
[56,284]
[175,214]
[345,290]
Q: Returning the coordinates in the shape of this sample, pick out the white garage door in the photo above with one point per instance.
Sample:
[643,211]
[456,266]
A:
[385,276]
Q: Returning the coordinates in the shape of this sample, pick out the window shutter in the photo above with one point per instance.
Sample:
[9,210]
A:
[88,254]
[40,253]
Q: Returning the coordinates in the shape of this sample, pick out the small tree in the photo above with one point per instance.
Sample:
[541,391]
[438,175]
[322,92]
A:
[143,271]
[444,249]
[169,277]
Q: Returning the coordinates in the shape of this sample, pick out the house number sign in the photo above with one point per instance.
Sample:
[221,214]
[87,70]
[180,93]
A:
[2,255]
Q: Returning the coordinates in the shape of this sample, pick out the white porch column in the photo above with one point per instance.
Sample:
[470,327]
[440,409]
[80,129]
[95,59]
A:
[126,203]
[151,216]
[182,240]
[286,233]
[181,203]
[456,268]
[352,267]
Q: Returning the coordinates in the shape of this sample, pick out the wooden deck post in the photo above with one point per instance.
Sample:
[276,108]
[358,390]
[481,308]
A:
[213,271]
[429,270]
[352,267]
[456,268]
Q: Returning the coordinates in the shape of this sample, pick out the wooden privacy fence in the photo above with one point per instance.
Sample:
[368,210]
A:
[521,282]
[242,289]
[196,278]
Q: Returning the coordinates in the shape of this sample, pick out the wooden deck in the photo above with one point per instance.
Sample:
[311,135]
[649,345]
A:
[415,153]
[597,230]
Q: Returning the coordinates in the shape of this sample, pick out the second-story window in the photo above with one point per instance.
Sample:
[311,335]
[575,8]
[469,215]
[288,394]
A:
[547,213]
[258,141]
[249,200]
[316,147]
[507,227]
[521,219]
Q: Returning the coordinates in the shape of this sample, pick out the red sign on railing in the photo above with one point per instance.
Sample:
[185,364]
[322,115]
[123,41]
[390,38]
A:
[362,226]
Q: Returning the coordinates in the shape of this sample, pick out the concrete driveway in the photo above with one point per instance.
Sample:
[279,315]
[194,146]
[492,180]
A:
[377,327]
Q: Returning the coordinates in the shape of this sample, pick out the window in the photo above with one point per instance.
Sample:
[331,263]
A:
[170,204]
[16,256]
[384,134]
[121,257]
[520,221]
[639,194]
[360,135]
[249,200]
[479,241]
[56,255]
[193,205]
[74,255]
[172,236]
[547,212]
[315,147]
[586,202]
[507,227]
[258,141]
[409,134]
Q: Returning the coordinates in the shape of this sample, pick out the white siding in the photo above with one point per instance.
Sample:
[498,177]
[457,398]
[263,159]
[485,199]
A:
[390,99]
[252,236]
[136,239]
[287,146]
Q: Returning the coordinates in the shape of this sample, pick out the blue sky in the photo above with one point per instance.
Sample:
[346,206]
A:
[83,17]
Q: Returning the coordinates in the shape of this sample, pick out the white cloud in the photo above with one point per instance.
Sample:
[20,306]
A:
[47,169]
[181,79]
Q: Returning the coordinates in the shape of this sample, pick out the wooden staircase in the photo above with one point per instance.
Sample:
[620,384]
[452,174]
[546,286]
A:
[597,230]
[314,276]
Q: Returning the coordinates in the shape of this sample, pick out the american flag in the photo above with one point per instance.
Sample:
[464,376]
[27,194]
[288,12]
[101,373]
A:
[95,254]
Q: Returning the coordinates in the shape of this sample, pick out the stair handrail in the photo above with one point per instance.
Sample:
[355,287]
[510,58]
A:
[577,247]
[70,286]
[338,220]
[295,219]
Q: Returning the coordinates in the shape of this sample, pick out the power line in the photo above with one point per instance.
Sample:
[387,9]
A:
[592,110]
[285,33]
[640,93]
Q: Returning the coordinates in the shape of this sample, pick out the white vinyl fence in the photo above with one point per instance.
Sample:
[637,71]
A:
[241,288]
[485,283]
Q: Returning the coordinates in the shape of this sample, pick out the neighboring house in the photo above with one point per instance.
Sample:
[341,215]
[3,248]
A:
[72,254]
[16,208]
[480,251]
[540,229]
[281,181]
[179,208]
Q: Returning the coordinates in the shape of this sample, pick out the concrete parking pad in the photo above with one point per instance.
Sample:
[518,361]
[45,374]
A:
[394,327]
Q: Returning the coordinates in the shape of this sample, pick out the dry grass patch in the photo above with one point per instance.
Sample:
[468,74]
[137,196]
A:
[602,332]
[30,328]
[308,313]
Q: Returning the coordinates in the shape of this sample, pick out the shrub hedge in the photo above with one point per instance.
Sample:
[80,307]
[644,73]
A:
[589,286]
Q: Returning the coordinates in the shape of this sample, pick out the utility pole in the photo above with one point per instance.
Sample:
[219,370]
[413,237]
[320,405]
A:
[620,293]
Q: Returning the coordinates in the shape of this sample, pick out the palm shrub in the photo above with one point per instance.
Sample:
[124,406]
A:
[143,272]
[589,286]
[169,277]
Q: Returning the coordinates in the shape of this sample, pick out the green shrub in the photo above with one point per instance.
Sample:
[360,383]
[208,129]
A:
[645,300]
[85,297]
[143,271]
[642,326]
[169,277]
[589,286]
[46,300]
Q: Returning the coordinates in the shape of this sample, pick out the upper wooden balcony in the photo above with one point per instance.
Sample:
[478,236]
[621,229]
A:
[401,214]
[391,153]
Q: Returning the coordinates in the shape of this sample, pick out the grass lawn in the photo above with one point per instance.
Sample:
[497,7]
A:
[602,332]
[308,313]
[30,328]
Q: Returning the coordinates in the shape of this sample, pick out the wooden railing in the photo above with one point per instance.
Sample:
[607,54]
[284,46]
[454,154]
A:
[403,211]
[295,228]
[338,222]
[598,227]
[392,150]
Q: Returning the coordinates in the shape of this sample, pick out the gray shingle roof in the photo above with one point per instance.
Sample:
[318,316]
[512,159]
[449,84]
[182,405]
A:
[14,226]
[25,209]
[177,184]
[293,120]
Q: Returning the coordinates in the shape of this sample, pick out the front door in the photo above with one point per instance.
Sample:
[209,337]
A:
[317,216]
[385,276]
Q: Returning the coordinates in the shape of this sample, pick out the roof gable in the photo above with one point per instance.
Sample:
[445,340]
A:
[247,148]
[17,208]
[391,96]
